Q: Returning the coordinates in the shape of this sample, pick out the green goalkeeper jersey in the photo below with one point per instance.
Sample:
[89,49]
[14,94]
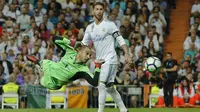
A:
[60,73]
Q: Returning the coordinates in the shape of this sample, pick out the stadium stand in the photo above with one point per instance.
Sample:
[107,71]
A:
[149,27]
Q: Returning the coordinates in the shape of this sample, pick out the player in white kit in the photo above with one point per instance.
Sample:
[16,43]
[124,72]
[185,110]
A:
[103,33]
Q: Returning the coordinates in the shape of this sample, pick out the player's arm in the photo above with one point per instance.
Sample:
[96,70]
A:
[89,77]
[174,68]
[86,38]
[62,43]
[116,34]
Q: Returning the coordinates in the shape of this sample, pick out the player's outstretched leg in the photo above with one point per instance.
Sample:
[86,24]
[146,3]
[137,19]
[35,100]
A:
[116,97]
[102,96]
[33,58]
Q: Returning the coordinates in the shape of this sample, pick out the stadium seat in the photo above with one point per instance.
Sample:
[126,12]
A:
[136,91]
[109,101]
[57,98]
[151,96]
[10,99]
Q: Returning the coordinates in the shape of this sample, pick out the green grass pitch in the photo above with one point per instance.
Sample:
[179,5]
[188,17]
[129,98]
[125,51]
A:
[107,110]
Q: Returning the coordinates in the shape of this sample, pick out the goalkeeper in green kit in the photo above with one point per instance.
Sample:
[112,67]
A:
[72,66]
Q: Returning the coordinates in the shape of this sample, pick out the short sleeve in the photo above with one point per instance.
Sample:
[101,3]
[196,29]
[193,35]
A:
[113,28]
[87,37]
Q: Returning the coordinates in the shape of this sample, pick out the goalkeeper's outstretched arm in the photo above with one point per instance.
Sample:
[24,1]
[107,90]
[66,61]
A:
[91,79]
[61,42]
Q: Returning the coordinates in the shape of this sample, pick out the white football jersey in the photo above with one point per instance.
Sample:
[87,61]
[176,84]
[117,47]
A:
[101,36]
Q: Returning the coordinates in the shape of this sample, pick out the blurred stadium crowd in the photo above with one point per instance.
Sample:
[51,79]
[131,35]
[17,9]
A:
[27,26]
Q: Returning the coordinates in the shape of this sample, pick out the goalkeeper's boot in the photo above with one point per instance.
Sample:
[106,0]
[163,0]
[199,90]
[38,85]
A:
[33,58]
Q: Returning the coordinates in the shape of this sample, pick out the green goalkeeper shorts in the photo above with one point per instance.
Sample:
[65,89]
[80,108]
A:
[49,82]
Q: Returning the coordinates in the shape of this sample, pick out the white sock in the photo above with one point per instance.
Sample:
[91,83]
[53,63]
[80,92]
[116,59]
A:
[117,98]
[102,96]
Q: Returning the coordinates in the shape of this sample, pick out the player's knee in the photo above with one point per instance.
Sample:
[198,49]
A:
[102,86]
[109,84]
[110,87]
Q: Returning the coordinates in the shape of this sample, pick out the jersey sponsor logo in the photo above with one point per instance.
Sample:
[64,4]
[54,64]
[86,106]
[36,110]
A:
[99,38]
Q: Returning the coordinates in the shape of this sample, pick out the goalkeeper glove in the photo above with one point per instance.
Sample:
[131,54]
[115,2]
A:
[98,63]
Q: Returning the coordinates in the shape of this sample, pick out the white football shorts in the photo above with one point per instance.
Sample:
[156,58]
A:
[108,72]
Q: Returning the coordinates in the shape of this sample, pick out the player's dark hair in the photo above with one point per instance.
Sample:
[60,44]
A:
[98,3]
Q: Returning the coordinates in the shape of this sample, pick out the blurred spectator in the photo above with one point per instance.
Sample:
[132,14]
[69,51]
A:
[145,52]
[17,75]
[191,52]
[192,38]
[23,20]
[13,12]
[133,5]
[71,37]
[29,7]
[20,59]
[40,7]
[197,59]
[49,24]
[8,69]
[159,22]
[61,18]
[159,37]
[59,30]
[144,13]
[114,19]
[195,7]
[57,5]
[141,78]
[9,23]
[182,71]
[128,28]
[2,74]
[68,4]
[77,21]
[185,94]
[52,17]
[132,52]
[152,50]
[170,68]
[127,69]
[53,6]
[157,9]
[143,25]
[38,18]
[11,56]
[68,15]
[44,32]
[197,88]
[151,38]
[139,60]
[29,75]
[12,45]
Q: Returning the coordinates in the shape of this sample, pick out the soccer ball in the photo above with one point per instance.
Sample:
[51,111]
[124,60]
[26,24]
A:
[152,64]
